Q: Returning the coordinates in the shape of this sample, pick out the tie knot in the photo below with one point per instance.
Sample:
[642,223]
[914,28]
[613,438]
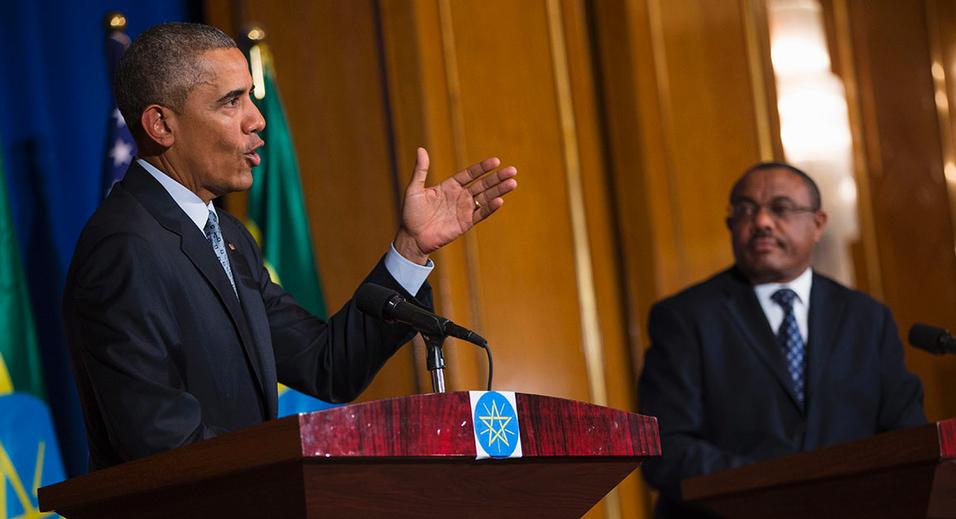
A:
[784,297]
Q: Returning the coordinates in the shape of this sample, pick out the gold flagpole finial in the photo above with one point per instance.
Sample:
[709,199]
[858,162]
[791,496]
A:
[115,21]
[256,34]
[258,57]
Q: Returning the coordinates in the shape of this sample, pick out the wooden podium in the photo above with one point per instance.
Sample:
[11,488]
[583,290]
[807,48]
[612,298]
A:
[906,474]
[412,456]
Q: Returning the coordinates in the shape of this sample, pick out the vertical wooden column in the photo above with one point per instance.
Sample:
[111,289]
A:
[686,102]
[688,105]
[898,129]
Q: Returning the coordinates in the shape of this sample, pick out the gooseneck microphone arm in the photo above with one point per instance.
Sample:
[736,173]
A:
[435,361]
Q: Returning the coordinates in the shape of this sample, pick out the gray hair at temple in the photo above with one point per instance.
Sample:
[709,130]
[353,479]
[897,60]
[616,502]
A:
[162,65]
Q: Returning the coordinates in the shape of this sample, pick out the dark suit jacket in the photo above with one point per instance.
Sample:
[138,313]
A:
[164,352]
[716,379]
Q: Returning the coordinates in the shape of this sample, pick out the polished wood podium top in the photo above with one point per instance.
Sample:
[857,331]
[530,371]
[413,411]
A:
[363,459]
[906,473]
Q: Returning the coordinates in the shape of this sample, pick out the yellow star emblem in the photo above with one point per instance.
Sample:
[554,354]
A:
[496,425]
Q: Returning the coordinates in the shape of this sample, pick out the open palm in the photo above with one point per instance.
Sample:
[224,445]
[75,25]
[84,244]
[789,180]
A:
[433,217]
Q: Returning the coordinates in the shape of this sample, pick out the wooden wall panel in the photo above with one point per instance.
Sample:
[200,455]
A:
[619,353]
[508,107]
[677,83]
[942,29]
[682,125]
[908,194]
[713,126]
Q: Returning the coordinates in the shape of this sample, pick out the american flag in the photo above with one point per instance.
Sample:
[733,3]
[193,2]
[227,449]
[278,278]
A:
[120,148]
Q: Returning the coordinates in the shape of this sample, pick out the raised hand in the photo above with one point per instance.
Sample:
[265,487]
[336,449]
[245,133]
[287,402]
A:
[433,217]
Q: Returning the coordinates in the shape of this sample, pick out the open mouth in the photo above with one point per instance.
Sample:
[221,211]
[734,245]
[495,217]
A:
[252,156]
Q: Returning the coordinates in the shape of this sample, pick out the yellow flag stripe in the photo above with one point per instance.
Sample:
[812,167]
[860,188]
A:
[257,235]
[6,385]
[38,469]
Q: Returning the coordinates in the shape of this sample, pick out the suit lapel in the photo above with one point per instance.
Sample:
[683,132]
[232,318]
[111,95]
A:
[251,301]
[826,311]
[750,320]
[196,247]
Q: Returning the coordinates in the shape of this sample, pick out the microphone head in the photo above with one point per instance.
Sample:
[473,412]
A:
[372,299]
[929,338]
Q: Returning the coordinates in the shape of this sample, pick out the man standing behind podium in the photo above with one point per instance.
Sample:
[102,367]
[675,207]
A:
[176,330]
[769,358]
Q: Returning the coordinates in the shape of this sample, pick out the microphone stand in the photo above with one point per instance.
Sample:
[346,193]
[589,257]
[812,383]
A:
[436,361]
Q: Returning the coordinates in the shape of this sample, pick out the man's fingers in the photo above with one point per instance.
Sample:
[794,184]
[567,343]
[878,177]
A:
[486,209]
[492,179]
[465,176]
[496,191]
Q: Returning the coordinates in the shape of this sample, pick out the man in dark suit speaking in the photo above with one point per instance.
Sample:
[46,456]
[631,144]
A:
[176,330]
[769,358]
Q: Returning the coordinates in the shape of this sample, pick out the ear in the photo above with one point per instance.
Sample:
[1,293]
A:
[819,223]
[156,125]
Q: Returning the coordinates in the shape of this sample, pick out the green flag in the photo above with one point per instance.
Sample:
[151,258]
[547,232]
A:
[19,358]
[277,213]
[29,456]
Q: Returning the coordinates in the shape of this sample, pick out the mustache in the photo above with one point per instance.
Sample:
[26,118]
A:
[763,233]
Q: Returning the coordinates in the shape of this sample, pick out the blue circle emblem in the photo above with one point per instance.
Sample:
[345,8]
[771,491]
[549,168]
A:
[496,425]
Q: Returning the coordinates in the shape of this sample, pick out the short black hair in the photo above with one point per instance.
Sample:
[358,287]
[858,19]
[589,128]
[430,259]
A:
[162,65]
[816,201]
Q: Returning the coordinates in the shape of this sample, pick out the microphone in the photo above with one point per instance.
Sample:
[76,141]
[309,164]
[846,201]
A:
[932,339]
[389,305]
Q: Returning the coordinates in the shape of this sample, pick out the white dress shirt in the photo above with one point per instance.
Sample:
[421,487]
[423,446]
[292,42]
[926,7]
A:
[801,304]
[408,274]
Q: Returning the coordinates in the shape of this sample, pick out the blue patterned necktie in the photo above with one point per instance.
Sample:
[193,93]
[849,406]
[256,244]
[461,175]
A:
[214,235]
[789,337]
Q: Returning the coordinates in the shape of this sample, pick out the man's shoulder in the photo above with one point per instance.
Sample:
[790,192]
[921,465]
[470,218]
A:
[707,292]
[832,290]
[120,212]
[121,225]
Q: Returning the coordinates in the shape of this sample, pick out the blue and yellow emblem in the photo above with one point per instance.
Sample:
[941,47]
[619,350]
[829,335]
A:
[497,434]
[29,457]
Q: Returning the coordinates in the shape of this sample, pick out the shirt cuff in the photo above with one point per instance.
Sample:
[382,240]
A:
[408,274]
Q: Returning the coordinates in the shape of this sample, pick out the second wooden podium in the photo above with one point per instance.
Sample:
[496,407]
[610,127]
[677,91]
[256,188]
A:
[907,474]
[412,456]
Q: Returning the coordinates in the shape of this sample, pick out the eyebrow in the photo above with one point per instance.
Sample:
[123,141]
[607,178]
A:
[231,95]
